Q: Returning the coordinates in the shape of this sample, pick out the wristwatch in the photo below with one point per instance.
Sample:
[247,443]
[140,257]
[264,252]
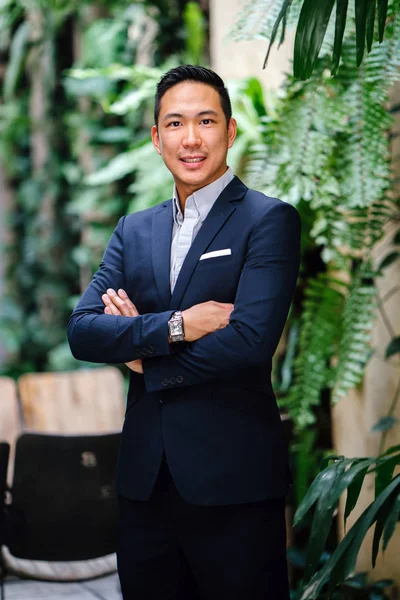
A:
[175,327]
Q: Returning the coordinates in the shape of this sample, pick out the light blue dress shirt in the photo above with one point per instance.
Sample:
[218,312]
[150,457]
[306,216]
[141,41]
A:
[186,226]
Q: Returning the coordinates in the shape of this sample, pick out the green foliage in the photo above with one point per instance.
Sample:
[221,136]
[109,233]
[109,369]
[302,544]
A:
[326,148]
[263,18]
[356,587]
[52,136]
[320,335]
[195,34]
[321,500]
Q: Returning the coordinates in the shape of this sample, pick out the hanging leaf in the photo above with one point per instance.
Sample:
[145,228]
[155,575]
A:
[393,347]
[323,515]
[354,489]
[342,561]
[340,24]
[389,259]
[282,16]
[310,33]
[370,24]
[391,523]
[382,13]
[384,473]
[384,424]
[18,51]
[361,10]
[384,512]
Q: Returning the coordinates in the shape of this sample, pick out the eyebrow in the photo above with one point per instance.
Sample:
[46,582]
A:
[200,114]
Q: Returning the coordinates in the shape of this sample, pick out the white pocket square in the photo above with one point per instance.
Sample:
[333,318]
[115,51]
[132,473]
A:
[215,253]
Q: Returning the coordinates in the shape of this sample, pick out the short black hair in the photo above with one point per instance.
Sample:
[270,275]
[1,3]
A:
[196,74]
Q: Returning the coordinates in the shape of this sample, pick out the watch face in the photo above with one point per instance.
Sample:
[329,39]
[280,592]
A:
[176,328]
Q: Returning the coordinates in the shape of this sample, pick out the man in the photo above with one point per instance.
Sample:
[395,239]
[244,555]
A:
[193,295]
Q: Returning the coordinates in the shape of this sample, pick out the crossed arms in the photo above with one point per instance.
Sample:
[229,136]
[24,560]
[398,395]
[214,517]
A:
[250,338]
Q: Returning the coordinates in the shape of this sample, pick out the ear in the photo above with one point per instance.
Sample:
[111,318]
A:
[155,139]
[232,130]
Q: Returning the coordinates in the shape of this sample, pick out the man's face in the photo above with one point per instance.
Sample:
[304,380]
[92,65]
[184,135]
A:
[192,135]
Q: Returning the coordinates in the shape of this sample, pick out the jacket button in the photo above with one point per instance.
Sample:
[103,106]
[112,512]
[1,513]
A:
[145,352]
[151,349]
[179,379]
[161,401]
[172,380]
[138,352]
[165,382]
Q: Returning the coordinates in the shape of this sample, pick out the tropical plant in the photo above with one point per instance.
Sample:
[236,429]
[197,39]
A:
[340,475]
[327,150]
[355,588]
[314,18]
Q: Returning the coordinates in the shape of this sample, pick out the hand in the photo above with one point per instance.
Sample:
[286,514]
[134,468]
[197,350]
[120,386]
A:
[205,318]
[120,304]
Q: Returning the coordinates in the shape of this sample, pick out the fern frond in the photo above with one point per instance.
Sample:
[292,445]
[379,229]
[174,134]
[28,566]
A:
[257,18]
[357,321]
[319,335]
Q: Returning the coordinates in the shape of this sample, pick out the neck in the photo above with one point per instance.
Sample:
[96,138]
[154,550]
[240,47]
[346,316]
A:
[184,191]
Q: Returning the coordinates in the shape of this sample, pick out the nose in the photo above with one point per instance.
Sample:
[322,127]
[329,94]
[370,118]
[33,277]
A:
[191,138]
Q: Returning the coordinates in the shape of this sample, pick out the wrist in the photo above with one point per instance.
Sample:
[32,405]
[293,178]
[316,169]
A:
[176,332]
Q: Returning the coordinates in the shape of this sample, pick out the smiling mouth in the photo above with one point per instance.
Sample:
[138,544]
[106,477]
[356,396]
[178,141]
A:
[193,160]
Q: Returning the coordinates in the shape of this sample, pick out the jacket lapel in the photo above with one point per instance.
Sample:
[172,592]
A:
[161,236]
[221,211]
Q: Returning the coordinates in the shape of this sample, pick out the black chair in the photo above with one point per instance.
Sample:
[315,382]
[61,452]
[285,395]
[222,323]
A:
[63,502]
[4,456]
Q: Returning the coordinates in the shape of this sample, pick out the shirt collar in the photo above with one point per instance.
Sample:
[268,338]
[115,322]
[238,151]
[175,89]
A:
[203,198]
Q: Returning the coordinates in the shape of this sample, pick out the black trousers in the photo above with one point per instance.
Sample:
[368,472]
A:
[171,550]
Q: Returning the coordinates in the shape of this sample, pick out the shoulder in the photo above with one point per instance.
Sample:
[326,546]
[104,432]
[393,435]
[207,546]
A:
[260,205]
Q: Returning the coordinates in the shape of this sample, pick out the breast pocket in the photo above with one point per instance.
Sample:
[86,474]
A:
[227,261]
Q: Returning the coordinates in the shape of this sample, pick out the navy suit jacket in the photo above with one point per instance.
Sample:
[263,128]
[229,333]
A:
[208,404]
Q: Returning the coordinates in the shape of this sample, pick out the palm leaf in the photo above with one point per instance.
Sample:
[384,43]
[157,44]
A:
[382,517]
[370,22]
[382,12]
[391,522]
[310,33]
[354,489]
[340,25]
[341,563]
[281,17]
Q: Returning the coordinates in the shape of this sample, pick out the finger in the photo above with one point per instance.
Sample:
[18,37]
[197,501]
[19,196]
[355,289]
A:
[107,310]
[119,303]
[110,305]
[124,296]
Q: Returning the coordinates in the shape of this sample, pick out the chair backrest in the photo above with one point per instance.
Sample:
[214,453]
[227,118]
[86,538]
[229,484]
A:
[10,421]
[63,497]
[84,401]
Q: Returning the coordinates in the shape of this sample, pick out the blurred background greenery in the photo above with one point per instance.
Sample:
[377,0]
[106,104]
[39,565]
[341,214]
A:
[78,82]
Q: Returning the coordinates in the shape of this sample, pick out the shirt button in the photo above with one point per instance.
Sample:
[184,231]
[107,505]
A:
[172,380]
[179,379]
[165,382]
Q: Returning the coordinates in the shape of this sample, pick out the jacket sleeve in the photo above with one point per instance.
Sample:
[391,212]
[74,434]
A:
[96,337]
[262,303]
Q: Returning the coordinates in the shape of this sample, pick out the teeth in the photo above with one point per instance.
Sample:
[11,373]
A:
[192,160]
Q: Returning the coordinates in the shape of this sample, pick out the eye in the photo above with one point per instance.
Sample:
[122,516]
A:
[207,121]
[174,124]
